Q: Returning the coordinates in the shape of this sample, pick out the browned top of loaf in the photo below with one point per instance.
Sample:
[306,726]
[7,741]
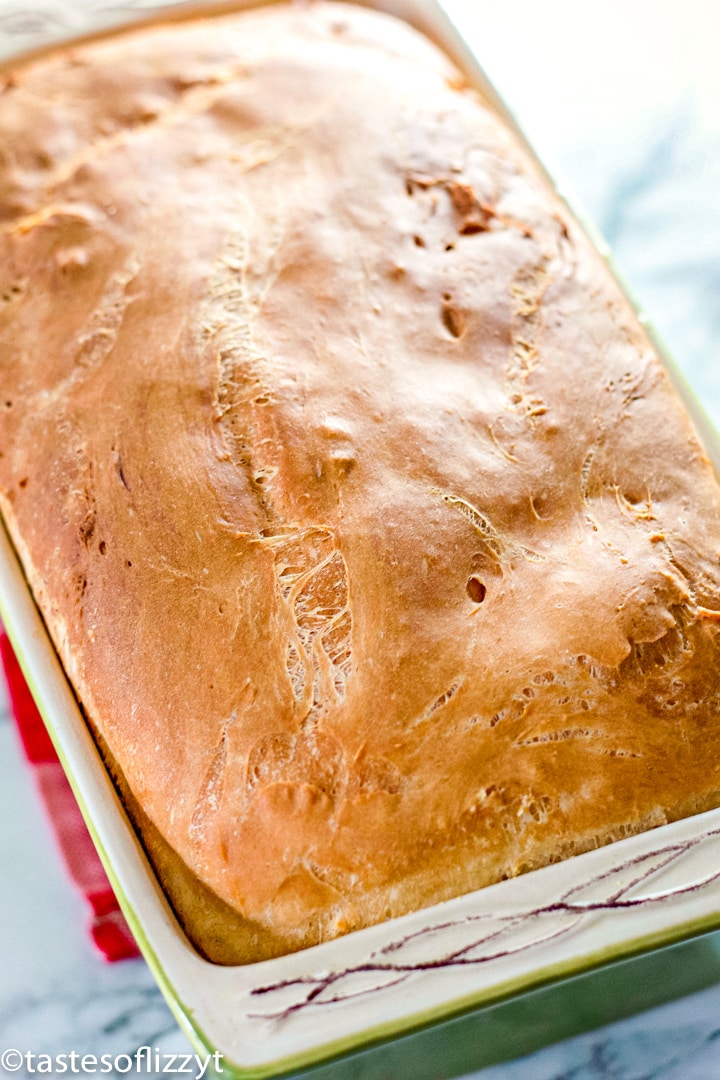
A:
[374,539]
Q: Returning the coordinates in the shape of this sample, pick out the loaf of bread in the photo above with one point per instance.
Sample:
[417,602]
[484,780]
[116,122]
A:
[374,539]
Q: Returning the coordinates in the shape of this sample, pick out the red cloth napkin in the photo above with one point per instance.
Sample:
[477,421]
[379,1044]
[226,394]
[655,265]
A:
[108,928]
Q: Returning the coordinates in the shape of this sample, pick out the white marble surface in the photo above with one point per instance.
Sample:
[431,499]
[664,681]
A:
[624,96]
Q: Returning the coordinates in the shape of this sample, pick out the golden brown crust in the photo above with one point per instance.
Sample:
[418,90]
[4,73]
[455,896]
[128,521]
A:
[373,537]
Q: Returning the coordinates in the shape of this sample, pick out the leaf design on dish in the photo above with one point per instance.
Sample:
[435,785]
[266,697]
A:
[634,883]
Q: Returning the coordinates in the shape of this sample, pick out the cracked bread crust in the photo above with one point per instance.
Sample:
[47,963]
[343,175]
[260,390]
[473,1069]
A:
[379,550]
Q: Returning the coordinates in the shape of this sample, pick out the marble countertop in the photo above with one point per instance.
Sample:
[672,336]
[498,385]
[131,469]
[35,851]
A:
[623,99]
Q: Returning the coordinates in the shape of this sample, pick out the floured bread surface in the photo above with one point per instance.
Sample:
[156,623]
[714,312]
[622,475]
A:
[373,537]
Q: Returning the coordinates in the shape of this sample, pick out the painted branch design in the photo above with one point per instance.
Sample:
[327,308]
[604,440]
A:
[608,892]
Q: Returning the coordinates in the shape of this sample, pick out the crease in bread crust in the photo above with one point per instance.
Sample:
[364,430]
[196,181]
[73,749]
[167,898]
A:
[377,546]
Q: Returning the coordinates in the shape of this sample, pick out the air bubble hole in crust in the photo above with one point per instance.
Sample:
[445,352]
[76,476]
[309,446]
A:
[452,320]
[12,292]
[476,590]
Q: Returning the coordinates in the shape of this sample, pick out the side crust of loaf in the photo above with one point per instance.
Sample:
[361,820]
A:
[376,543]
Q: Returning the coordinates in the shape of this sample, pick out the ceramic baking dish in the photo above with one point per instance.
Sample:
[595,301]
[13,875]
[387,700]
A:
[417,972]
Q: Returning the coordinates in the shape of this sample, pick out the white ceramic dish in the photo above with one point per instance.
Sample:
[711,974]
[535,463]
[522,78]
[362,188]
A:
[281,1015]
